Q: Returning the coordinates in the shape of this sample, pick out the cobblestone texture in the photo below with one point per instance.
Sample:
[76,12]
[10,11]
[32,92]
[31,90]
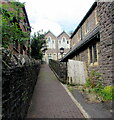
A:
[50,100]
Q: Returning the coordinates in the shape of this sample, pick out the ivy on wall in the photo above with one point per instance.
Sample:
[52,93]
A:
[11,20]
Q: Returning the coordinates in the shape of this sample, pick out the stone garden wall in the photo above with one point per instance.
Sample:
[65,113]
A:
[60,69]
[19,76]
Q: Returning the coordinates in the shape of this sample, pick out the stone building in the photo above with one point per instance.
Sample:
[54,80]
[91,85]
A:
[54,44]
[23,25]
[93,41]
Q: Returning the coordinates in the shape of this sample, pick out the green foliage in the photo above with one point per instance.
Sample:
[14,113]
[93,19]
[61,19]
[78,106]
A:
[70,88]
[94,80]
[83,90]
[108,93]
[94,83]
[88,82]
[89,90]
[37,43]
[11,31]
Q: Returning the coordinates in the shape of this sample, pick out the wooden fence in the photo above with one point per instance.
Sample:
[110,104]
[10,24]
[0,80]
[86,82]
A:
[77,73]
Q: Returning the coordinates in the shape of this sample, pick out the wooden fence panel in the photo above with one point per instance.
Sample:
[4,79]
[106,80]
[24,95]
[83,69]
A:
[76,72]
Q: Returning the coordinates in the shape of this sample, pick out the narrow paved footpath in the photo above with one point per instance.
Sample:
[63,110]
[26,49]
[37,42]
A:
[50,100]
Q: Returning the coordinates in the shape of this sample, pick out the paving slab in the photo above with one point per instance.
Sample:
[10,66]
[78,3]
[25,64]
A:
[50,100]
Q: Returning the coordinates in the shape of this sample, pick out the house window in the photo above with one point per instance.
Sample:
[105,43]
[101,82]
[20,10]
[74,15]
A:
[80,33]
[67,42]
[90,50]
[64,44]
[63,39]
[49,39]
[53,44]
[95,52]
[49,56]
[93,56]
[87,27]
[49,42]
[96,17]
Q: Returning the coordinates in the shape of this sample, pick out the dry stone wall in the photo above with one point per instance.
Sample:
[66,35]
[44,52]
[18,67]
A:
[18,82]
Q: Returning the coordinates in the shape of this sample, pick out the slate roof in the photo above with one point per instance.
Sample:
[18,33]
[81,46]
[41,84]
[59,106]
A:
[81,44]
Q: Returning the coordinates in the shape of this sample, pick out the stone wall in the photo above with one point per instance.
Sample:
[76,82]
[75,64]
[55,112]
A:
[92,25]
[106,23]
[18,82]
[0,85]
[60,70]
[105,64]
[113,41]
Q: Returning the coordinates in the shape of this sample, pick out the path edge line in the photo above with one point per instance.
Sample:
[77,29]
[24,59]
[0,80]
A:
[85,114]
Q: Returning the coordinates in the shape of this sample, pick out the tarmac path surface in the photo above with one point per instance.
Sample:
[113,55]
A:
[50,99]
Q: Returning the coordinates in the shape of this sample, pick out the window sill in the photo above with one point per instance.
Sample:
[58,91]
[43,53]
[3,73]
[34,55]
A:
[96,64]
[93,64]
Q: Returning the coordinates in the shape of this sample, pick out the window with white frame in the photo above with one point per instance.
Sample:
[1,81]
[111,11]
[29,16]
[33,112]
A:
[53,44]
[64,42]
[49,42]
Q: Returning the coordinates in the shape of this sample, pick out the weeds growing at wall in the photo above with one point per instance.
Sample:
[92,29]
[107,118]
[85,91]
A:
[94,84]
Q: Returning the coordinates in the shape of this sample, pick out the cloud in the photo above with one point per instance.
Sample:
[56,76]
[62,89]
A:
[56,15]
[47,25]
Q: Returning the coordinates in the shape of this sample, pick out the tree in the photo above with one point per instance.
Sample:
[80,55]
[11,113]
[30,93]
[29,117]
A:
[11,19]
[37,43]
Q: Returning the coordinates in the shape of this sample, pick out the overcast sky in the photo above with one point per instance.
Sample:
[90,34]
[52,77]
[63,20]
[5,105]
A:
[56,15]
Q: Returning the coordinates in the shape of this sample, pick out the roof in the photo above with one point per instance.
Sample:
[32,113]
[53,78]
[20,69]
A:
[63,33]
[81,44]
[50,32]
[85,17]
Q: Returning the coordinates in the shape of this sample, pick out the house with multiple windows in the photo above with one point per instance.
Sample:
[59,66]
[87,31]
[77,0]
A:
[93,41]
[54,44]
